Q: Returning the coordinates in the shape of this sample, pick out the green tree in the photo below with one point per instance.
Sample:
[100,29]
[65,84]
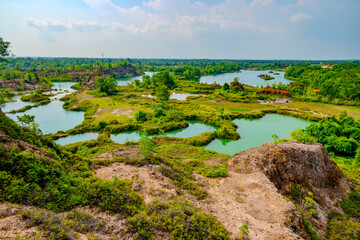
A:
[4,50]
[225,87]
[25,120]
[28,122]
[107,85]
[141,116]
[162,94]
[163,78]
[146,145]
[275,137]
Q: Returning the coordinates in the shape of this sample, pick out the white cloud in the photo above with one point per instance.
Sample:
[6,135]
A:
[300,17]
[305,2]
[97,3]
[56,25]
[47,23]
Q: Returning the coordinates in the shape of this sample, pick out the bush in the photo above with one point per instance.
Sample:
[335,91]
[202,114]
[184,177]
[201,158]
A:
[141,116]
[180,219]
[227,132]
[158,112]
[341,145]
[351,205]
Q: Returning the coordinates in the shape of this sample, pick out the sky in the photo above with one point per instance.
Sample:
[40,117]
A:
[213,29]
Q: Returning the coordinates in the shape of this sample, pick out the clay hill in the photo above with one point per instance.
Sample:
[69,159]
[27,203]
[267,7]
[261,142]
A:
[261,191]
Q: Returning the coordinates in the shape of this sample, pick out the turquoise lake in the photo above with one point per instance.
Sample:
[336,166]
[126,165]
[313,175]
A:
[194,129]
[255,132]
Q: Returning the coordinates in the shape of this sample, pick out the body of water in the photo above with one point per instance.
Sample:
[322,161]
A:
[194,129]
[52,117]
[15,104]
[245,77]
[182,96]
[125,81]
[255,132]
[77,138]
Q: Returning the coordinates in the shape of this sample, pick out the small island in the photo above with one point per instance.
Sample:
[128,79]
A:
[266,77]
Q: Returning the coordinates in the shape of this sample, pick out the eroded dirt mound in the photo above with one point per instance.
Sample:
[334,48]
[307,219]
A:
[6,141]
[297,169]
[118,153]
[146,180]
[239,199]
[251,199]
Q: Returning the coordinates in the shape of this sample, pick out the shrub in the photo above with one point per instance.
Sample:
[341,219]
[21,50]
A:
[141,116]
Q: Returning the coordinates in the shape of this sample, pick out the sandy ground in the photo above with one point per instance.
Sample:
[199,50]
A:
[241,198]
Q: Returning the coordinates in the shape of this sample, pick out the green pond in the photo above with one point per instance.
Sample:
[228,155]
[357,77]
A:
[77,138]
[195,128]
[246,77]
[255,132]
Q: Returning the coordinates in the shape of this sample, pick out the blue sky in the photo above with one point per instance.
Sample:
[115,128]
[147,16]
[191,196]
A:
[233,29]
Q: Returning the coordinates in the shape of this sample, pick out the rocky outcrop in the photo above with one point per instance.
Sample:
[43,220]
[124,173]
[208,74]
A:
[17,85]
[297,169]
[85,75]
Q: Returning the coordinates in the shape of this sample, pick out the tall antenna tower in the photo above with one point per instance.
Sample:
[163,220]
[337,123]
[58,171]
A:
[102,55]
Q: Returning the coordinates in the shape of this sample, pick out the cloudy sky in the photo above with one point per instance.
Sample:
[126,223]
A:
[233,29]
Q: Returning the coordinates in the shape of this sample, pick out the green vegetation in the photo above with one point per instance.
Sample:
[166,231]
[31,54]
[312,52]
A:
[339,84]
[338,135]
[180,219]
[107,85]
[36,97]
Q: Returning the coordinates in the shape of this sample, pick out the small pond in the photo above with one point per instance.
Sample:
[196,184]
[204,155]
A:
[125,81]
[245,77]
[177,96]
[77,138]
[182,96]
[255,132]
[194,129]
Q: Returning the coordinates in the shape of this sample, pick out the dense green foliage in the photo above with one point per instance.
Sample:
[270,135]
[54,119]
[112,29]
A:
[339,135]
[50,184]
[107,85]
[341,83]
[341,227]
